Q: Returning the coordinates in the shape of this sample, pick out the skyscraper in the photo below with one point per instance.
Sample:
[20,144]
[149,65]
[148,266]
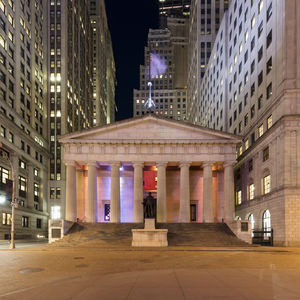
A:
[104,71]
[251,88]
[173,9]
[205,19]
[169,88]
[23,116]
[70,86]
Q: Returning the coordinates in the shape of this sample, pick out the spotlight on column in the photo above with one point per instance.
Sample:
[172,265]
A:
[121,168]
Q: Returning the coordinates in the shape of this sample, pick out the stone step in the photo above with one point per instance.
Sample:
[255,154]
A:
[179,234]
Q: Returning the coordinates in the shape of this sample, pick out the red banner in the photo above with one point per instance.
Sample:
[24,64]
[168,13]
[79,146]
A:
[149,180]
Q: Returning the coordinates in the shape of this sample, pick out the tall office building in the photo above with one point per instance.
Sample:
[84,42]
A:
[23,117]
[205,19]
[251,88]
[172,9]
[70,69]
[104,71]
[168,89]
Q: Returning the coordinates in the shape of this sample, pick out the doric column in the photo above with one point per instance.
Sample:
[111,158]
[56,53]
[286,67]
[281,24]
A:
[161,192]
[91,205]
[228,191]
[207,193]
[115,192]
[184,213]
[71,200]
[30,187]
[138,192]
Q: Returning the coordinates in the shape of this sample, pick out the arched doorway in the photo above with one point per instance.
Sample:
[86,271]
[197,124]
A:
[266,222]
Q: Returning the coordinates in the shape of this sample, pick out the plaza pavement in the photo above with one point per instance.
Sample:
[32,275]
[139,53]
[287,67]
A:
[92,272]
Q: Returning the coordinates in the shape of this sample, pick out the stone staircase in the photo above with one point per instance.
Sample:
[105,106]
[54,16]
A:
[119,235]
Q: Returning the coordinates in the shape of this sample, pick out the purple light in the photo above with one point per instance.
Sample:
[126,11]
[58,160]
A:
[158,65]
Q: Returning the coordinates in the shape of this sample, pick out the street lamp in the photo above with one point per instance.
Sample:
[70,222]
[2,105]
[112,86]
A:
[14,204]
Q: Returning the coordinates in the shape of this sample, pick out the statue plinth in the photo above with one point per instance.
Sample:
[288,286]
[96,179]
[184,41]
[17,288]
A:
[149,236]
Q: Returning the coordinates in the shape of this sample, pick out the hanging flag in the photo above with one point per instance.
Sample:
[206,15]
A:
[149,180]
[158,65]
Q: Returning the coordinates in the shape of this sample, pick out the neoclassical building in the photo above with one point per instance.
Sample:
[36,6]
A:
[108,166]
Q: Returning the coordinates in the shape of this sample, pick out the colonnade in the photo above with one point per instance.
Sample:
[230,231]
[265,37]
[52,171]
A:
[184,206]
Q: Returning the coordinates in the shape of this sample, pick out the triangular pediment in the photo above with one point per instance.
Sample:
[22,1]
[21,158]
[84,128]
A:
[149,128]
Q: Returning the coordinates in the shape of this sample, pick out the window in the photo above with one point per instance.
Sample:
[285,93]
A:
[2,131]
[269,90]
[260,78]
[260,130]
[269,65]
[267,184]
[252,222]
[252,89]
[38,223]
[260,5]
[252,111]
[6,219]
[266,154]
[239,197]
[251,191]
[260,29]
[250,165]
[269,39]
[22,184]
[266,220]
[246,120]
[260,54]
[52,193]
[252,22]
[260,102]
[269,12]
[25,221]
[55,212]
[269,122]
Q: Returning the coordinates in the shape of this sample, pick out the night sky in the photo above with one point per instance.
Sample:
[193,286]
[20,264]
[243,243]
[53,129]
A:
[129,23]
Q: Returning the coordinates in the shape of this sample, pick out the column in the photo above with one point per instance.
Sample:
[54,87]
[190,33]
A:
[71,201]
[115,192]
[138,192]
[30,187]
[15,174]
[184,213]
[207,193]
[161,192]
[91,204]
[228,191]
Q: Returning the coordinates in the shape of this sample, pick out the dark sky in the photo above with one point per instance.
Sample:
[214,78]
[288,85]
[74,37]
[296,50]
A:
[129,22]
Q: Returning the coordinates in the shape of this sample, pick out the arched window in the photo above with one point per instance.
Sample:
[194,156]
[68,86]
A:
[251,219]
[238,218]
[266,222]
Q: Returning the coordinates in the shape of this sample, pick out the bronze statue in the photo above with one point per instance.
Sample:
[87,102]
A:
[149,207]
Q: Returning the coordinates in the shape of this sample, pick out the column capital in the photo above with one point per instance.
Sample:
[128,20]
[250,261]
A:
[92,164]
[70,163]
[229,163]
[184,164]
[138,164]
[115,164]
[161,164]
[207,164]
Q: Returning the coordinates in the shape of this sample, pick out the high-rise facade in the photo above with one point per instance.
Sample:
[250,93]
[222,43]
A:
[172,9]
[23,117]
[251,88]
[168,89]
[205,19]
[104,71]
[70,88]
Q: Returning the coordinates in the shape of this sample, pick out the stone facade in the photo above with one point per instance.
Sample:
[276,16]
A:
[193,165]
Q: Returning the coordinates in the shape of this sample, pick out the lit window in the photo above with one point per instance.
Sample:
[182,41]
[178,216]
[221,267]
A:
[246,36]
[2,6]
[267,184]
[266,220]
[246,144]
[260,5]
[239,197]
[252,21]
[55,212]
[240,48]
[261,130]
[2,41]
[269,122]
[6,219]
[251,191]
[251,219]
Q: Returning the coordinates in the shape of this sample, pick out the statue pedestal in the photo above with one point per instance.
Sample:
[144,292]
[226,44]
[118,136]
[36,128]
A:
[149,236]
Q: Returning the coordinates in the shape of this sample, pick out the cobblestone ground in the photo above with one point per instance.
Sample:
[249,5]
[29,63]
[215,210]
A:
[93,272]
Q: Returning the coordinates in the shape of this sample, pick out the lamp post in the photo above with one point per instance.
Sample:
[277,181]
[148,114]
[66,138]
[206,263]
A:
[14,204]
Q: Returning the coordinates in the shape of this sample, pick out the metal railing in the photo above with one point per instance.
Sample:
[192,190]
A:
[263,237]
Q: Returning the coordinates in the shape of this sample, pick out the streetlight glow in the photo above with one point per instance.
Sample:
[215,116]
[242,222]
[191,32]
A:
[2,199]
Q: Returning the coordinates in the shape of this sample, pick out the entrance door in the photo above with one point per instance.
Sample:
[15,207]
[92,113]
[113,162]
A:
[193,212]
